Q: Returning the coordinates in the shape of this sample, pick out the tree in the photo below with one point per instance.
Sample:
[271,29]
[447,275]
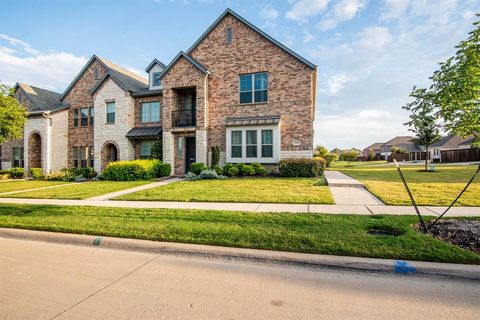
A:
[321,151]
[456,88]
[398,150]
[349,155]
[12,115]
[157,151]
[423,119]
[370,154]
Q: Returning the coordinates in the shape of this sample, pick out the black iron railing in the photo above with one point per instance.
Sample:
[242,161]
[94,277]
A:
[184,118]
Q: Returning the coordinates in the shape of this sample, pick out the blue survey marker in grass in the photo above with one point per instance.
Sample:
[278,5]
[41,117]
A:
[403,267]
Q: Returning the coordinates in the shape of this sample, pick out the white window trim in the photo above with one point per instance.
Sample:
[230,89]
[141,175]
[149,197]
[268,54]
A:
[276,139]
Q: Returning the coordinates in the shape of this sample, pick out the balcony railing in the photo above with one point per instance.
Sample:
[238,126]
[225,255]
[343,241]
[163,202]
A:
[184,118]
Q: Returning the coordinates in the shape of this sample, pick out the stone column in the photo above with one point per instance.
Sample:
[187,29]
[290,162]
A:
[201,146]
[168,149]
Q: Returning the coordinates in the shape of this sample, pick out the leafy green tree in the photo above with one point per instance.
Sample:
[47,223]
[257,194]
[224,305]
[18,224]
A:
[423,119]
[321,151]
[349,155]
[370,154]
[157,151]
[12,115]
[456,88]
[398,150]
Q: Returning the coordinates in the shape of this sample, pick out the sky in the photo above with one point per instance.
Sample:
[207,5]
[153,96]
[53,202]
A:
[369,53]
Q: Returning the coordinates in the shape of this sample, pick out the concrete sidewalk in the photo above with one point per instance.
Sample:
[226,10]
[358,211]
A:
[348,191]
[111,195]
[257,207]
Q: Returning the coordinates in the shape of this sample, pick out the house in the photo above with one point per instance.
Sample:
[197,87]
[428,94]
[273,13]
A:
[406,143]
[236,88]
[453,148]
[375,148]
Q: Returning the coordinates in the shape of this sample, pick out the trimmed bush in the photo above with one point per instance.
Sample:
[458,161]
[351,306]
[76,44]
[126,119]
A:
[36,173]
[87,173]
[190,176]
[259,169]
[16,173]
[208,174]
[215,156]
[301,167]
[62,175]
[218,169]
[197,167]
[230,170]
[132,170]
[164,169]
[247,170]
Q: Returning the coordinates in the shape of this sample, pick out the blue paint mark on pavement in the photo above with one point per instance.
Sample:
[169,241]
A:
[97,241]
[403,267]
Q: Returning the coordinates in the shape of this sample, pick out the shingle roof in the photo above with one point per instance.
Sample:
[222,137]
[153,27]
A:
[40,99]
[252,121]
[404,142]
[262,33]
[451,141]
[181,54]
[127,79]
[375,146]
[144,132]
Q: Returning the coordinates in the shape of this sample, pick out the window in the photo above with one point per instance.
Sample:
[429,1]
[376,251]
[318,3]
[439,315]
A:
[236,144]
[96,73]
[228,35]
[267,143]
[146,149]
[91,116]
[150,112]
[179,146]
[84,117]
[18,158]
[254,87]
[75,118]
[251,143]
[82,157]
[156,79]
[111,112]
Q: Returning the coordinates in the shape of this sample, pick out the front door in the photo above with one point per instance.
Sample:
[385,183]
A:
[190,154]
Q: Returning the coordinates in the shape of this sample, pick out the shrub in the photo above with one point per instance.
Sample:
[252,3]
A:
[208,174]
[36,173]
[230,170]
[218,169]
[87,173]
[5,174]
[132,170]
[259,169]
[302,167]
[62,175]
[164,170]
[274,171]
[197,167]
[247,170]
[215,156]
[190,176]
[16,173]
[157,151]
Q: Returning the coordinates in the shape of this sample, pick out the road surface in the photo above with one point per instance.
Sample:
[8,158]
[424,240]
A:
[40,280]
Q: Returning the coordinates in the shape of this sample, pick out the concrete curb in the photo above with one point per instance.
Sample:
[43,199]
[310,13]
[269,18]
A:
[458,271]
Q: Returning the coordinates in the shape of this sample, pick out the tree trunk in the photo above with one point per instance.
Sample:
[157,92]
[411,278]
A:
[426,157]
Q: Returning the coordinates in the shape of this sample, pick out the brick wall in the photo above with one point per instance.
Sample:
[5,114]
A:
[80,97]
[289,84]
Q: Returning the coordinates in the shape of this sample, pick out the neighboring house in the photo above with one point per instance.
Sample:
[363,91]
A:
[376,148]
[406,143]
[236,88]
[445,150]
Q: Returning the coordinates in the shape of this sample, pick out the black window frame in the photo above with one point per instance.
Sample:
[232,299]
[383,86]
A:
[75,118]
[110,118]
[91,115]
[84,112]
[249,93]
[156,82]
[229,35]
[20,162]
[150,112]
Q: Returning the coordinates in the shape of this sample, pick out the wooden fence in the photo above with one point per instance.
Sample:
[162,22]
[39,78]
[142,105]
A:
[461,155]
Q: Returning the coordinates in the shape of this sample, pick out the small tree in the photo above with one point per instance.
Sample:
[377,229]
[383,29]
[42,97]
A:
[12,115]
[349,155]
[456,88]
[157,151]
[423,119]
[321,151]
[398,150]
[215,156]
[370,155]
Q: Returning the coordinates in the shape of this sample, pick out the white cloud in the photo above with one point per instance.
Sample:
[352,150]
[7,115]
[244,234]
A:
[343,10]
[374,38]
[307,36]
[20,62]
[374,114]
[335,83]
[394,9]
[269,12]
[302,10]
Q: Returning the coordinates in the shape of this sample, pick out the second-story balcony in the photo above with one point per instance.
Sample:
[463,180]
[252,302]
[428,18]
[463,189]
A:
[184,118]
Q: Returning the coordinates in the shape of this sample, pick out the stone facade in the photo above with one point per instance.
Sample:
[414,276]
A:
[108,133]
[80,97]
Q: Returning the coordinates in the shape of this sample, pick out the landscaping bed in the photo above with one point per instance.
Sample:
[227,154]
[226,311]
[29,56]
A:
[437,188]
[463,233]
[259,190]
[346,235]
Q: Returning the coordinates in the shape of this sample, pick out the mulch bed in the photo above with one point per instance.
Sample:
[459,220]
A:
[463,233]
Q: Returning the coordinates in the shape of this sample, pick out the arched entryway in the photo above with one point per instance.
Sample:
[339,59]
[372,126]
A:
[34,150]
[110,153]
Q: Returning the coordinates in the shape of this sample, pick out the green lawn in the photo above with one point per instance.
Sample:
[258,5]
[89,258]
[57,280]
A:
[312,233]
[429,188]
[345,164]
[78,190]
[18,185]
[269,190]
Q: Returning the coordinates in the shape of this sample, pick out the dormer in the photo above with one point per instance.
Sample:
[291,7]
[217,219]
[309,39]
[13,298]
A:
[154,70]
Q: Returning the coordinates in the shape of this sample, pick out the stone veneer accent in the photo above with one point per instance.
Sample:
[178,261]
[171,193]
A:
[168,149]
[116,132]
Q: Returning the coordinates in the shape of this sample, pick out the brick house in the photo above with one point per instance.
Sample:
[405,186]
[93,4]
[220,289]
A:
[235,87]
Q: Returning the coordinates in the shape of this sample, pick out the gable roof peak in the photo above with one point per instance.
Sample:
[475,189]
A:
[258,30]
[181,54]
[153,63]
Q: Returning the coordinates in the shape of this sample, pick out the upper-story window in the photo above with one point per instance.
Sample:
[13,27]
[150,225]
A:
[84,117]
[254,87]
[96,74]
[156,79]
[75,118]
[110,112]
[150,112]
[92,115]
[228,35]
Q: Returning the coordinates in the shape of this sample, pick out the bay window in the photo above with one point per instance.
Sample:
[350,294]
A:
[249,144]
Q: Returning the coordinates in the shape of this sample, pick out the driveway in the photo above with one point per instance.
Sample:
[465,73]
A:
[40,280]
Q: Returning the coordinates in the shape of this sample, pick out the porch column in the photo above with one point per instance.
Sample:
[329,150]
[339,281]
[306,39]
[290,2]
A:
[201,146]
[168,150]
